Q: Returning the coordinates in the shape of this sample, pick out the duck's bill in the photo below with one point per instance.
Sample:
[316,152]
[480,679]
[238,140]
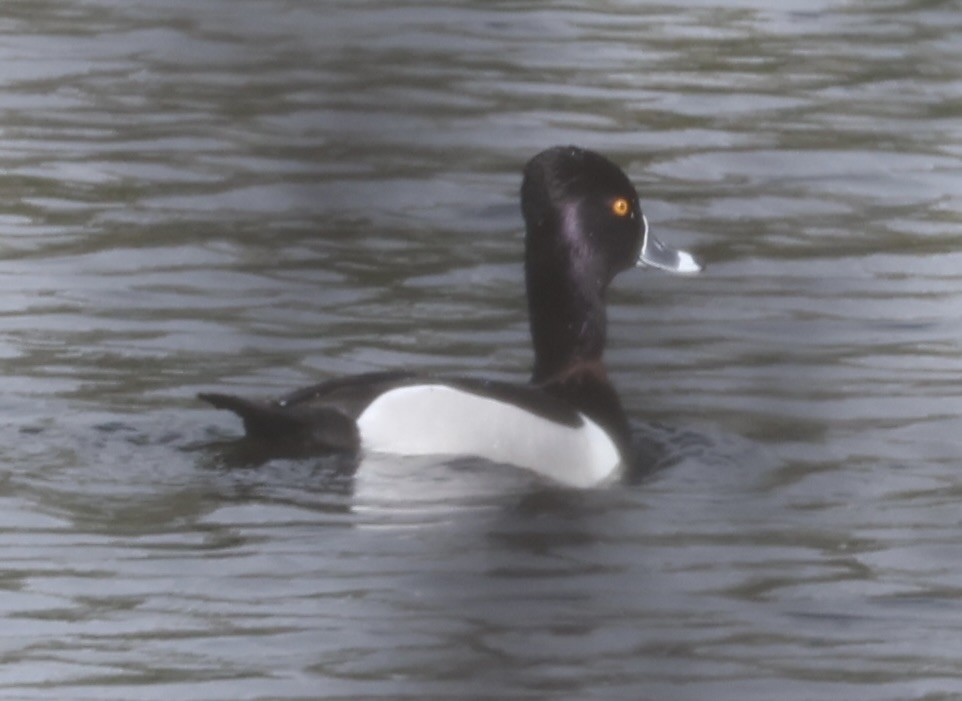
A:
[657,255]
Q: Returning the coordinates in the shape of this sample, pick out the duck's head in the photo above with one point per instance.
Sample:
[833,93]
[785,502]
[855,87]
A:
[580,202]
[583,225]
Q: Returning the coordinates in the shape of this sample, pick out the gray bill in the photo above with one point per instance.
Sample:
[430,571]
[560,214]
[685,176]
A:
[657,255]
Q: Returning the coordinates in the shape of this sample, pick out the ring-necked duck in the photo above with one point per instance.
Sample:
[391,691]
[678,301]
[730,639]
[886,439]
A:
[583,226]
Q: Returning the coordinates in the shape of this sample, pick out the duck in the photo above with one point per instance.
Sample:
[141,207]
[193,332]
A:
[583,226]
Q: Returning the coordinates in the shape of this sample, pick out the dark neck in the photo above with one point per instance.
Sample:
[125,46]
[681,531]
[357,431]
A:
[566,306]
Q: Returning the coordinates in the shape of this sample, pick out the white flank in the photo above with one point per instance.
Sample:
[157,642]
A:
[442,420]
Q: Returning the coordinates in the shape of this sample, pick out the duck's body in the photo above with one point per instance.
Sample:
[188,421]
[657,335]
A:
[529,426]
[583,226]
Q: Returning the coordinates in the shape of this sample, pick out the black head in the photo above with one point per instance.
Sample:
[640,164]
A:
[579,205]
[583,226]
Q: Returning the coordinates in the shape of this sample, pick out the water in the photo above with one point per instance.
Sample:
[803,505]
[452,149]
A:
[255,195]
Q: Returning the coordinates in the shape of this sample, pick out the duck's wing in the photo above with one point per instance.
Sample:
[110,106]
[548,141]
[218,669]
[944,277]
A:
[530,398]
[323,417]
[349,394]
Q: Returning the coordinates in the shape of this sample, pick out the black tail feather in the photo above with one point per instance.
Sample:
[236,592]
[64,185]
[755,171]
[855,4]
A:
[319,428]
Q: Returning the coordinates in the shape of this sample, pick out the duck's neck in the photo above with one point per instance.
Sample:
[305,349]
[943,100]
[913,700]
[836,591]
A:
[566,306]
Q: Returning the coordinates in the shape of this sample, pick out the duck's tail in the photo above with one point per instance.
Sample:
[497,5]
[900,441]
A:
[291,426]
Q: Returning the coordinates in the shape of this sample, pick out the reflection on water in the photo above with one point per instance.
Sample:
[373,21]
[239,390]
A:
[254,196]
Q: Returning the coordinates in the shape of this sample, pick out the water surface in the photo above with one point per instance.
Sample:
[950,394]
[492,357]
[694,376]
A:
[257,195]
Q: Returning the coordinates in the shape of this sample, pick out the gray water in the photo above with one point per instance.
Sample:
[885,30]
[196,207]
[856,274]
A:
[254,195]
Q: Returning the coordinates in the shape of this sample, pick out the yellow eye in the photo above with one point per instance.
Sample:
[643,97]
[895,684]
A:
[621,206]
